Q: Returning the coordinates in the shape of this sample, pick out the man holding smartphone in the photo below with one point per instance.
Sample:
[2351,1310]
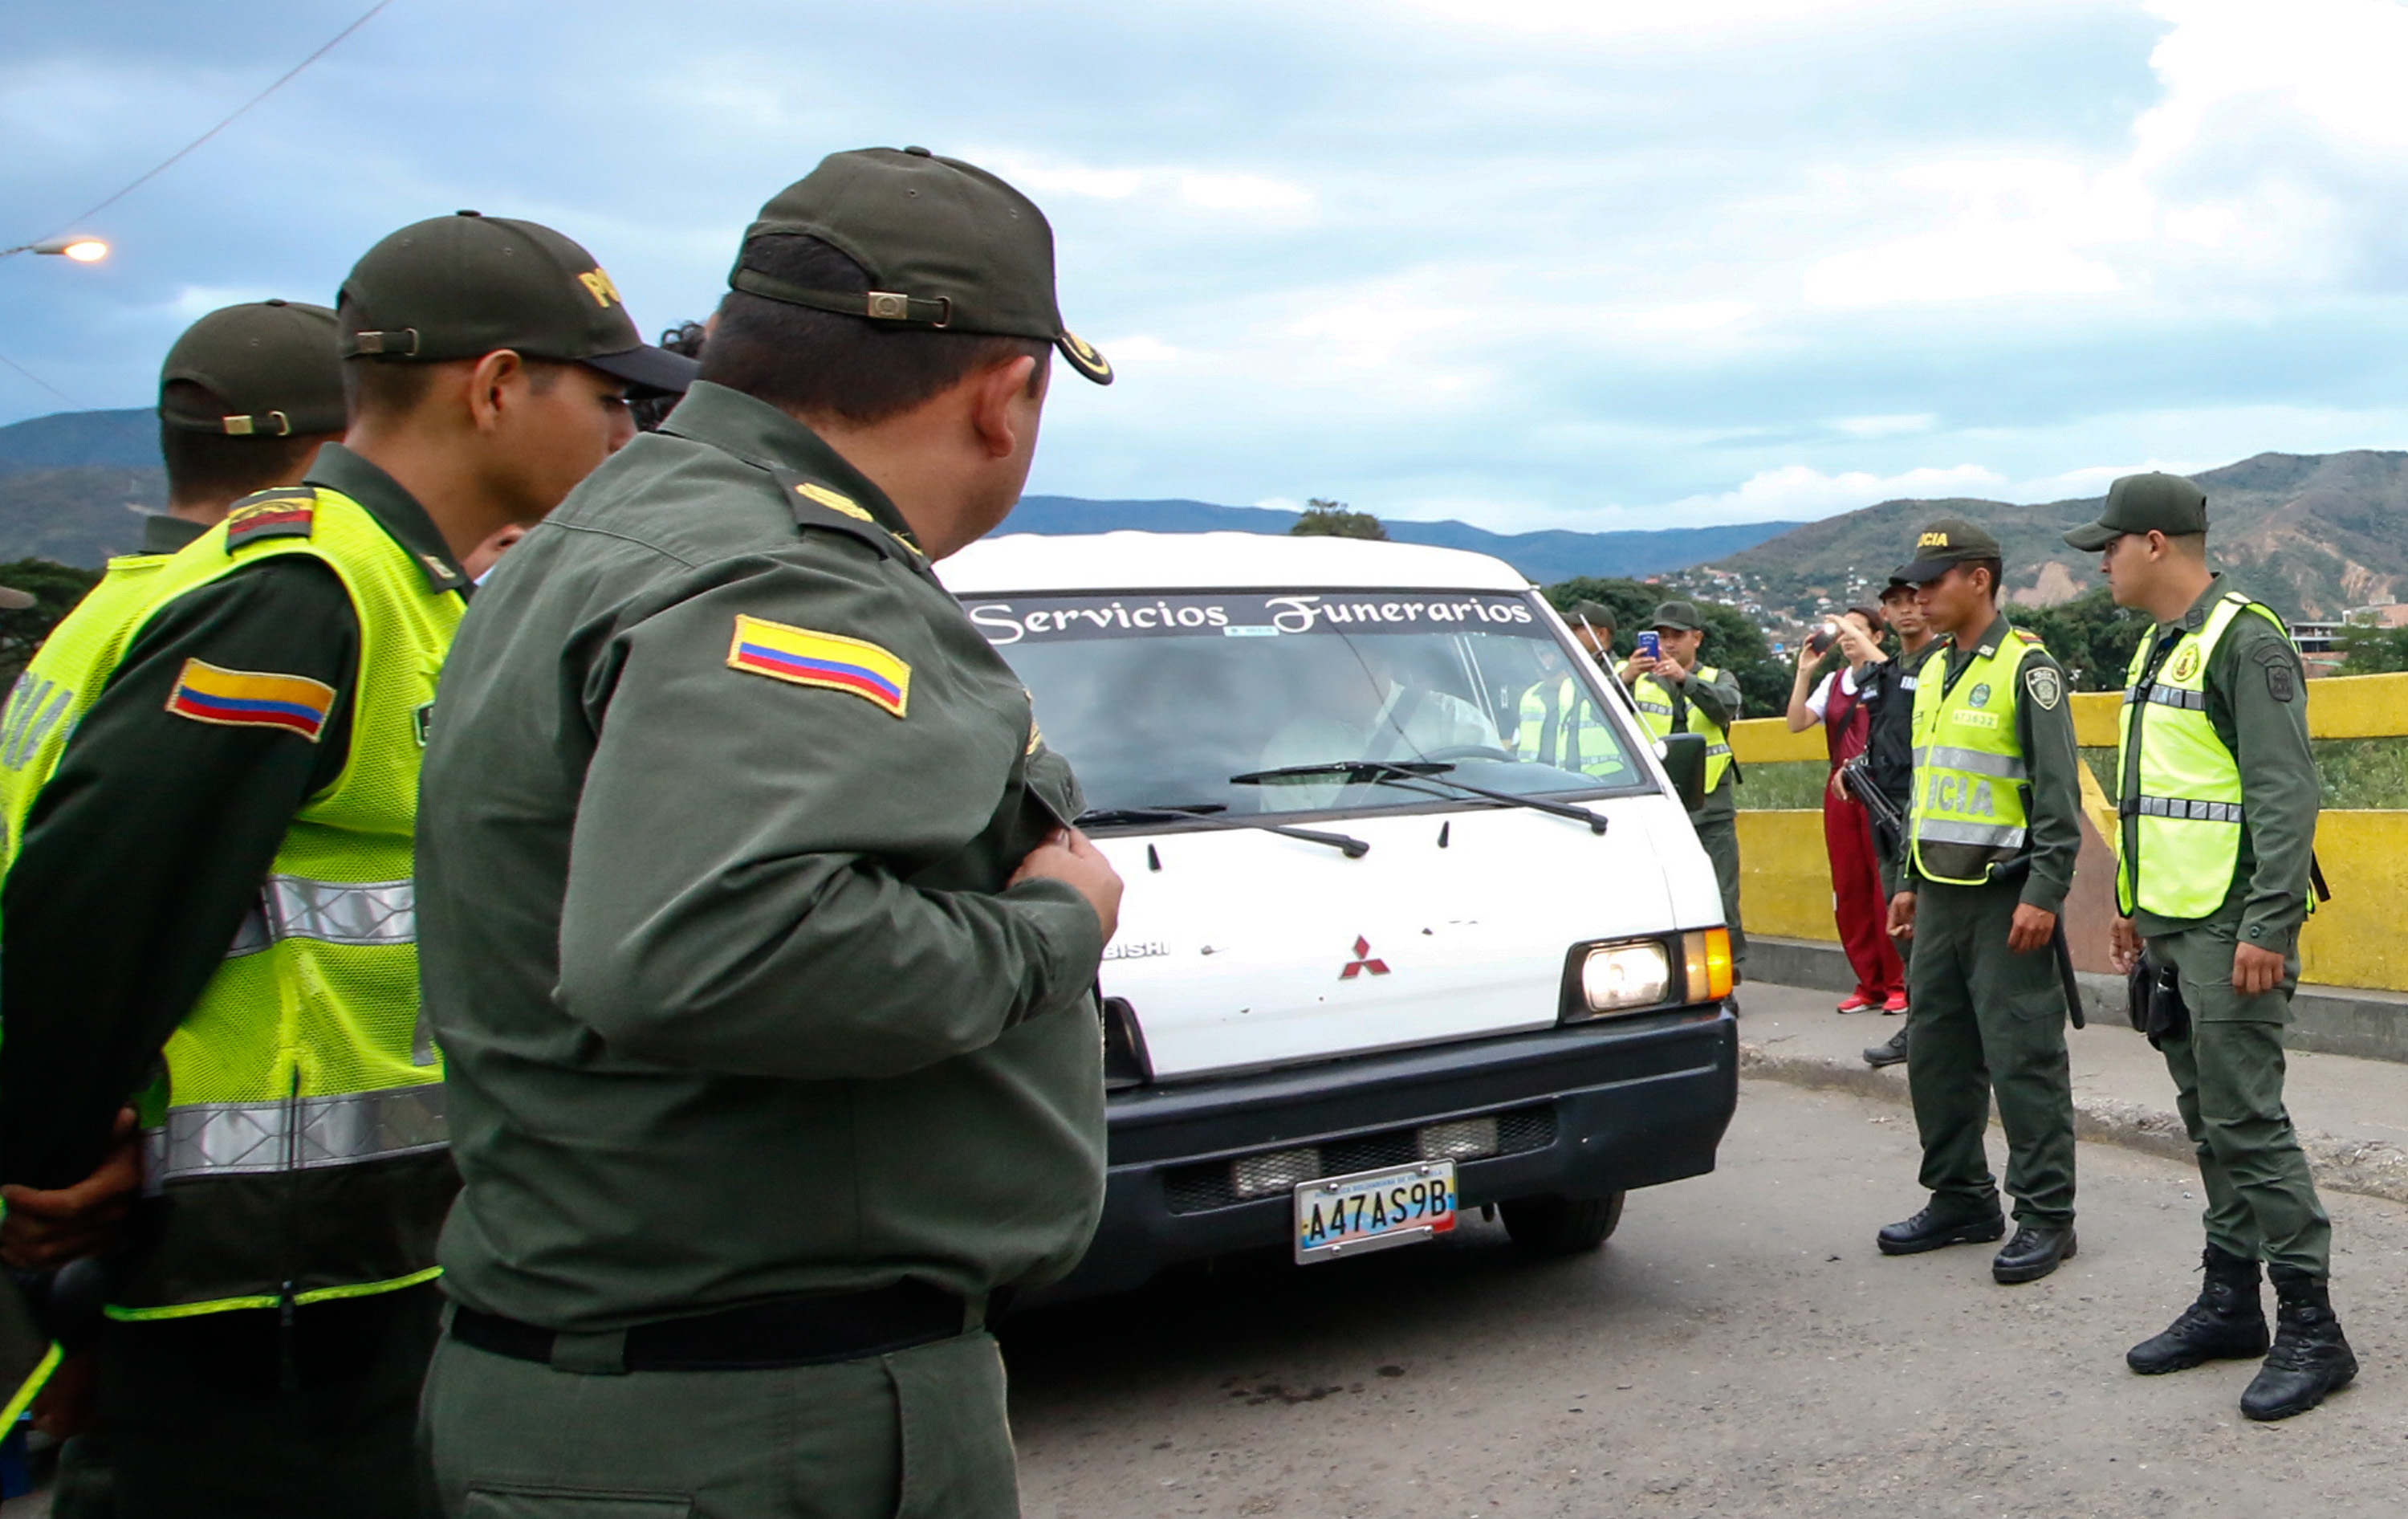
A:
[1675,693]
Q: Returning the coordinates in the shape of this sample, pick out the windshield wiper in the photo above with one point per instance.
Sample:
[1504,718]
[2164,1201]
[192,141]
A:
[1387,773]
[1105,817]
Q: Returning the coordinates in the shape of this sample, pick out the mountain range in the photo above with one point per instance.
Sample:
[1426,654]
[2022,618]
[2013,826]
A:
[2312,534]
[73,487]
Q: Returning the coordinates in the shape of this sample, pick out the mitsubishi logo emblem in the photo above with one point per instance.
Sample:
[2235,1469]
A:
[1363,962]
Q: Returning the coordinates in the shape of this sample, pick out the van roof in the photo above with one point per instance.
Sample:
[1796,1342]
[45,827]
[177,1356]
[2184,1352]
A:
[1029,563]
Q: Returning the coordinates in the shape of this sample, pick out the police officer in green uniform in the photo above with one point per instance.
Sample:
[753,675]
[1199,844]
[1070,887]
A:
[2217,812]
[1559,722]
[1677,693]
[1993,828]
[246,396]
[755,935]
[209,906]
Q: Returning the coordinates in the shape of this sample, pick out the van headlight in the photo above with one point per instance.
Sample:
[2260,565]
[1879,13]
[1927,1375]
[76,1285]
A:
[1621,978]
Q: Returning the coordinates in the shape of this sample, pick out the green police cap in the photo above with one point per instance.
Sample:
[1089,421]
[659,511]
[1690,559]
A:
[2152,503]
[947,245]
[1597,614]
[270,370]
[1680,616]
[1949,541]
[461,286]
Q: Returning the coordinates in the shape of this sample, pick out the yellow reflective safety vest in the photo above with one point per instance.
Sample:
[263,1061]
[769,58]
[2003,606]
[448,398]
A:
[1970,812]
[296,1145]
[1561,725]
[1656,704]
[2181,802]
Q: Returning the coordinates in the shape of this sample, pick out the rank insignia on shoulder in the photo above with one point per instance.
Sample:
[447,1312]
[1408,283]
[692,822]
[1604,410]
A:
[834,501]
[271,514]
[827,660]
[251,700]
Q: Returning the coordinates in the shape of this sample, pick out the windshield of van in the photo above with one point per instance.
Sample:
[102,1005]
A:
[1187,700]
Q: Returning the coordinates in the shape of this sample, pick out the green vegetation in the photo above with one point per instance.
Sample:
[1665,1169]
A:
[1786,785]
[1330,519]
[1732,641]
[56,589]
[2090,636]
[2372,651]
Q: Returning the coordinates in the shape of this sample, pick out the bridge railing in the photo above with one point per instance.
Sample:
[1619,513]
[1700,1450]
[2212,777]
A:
[2354,940]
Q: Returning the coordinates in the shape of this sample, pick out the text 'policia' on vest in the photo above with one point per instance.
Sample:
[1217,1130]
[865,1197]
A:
[1970,813]
[2179,797]
[259,1133]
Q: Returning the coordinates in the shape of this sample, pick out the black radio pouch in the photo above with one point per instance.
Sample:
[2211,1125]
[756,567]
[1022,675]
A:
[2157,1002]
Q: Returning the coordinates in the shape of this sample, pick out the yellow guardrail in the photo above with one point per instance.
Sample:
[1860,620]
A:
[2353,940]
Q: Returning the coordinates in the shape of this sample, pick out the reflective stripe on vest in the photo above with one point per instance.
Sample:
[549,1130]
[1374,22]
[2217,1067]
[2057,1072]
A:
[1654,702]
[334,912]
[2179,845]
[260,1138]
[1968,810]
[307,1048]
[1583,742]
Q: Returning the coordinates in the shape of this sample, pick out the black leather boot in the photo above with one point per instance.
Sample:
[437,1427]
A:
[1938,1227]
[2226,1323]
[1890,1054]
[2309,1357]
[2034,1252]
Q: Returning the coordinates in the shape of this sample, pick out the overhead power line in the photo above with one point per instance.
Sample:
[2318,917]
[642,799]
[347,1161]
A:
[39,381]
[172,159]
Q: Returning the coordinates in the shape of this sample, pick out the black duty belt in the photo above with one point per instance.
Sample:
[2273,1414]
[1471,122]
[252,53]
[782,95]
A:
[795,1331]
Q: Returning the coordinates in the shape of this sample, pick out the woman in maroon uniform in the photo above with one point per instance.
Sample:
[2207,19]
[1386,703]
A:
[1858,900]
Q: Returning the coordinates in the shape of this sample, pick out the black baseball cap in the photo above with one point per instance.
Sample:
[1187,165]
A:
[1680,616]
[1943,544]
[947,246]
[270,370]
[2152,503]
[461,286]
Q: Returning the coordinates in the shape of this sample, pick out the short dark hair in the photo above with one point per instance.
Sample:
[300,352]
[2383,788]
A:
[397,386]
[820,363]
[651,411]
[1998,572]
[215,466]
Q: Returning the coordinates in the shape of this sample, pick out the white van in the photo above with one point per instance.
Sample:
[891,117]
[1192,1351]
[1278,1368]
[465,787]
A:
[1416,921]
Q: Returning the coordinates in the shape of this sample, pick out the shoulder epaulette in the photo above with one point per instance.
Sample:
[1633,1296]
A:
[816,506]
[2029,638]
[288,513]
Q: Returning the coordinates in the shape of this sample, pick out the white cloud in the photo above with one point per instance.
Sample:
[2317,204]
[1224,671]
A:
[1804,492]
[1241,192]
[1694,316]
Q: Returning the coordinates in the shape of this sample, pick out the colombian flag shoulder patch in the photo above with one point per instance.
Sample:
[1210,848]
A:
[250,700]
[271,514]
[828,660]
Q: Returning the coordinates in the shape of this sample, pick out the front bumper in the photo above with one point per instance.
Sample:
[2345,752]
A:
[1588,1109]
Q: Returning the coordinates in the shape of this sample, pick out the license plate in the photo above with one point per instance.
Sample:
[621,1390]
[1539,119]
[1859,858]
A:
[1353,1215]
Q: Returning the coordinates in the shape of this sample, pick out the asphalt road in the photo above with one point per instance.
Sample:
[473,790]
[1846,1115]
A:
[1738,1348]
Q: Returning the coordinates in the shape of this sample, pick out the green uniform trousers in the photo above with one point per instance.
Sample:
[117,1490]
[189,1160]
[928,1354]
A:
[1718,831]
[1986,1020]
[918,1433]
[2228,1071]
[235,1414]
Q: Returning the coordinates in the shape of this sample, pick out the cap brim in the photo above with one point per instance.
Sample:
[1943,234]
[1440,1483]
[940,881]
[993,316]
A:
[1083,357]
[1924,571]
[651,370]
[2092,536]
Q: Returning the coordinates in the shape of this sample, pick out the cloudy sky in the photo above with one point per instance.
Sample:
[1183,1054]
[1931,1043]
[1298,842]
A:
[1527,263]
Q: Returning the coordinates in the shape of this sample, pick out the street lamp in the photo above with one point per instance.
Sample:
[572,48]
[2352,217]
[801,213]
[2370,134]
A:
[80,249]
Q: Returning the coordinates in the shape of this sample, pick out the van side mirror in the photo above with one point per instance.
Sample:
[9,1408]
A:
[1684,760]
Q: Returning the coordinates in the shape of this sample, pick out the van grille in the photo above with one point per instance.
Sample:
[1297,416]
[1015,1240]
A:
[1201,1188]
